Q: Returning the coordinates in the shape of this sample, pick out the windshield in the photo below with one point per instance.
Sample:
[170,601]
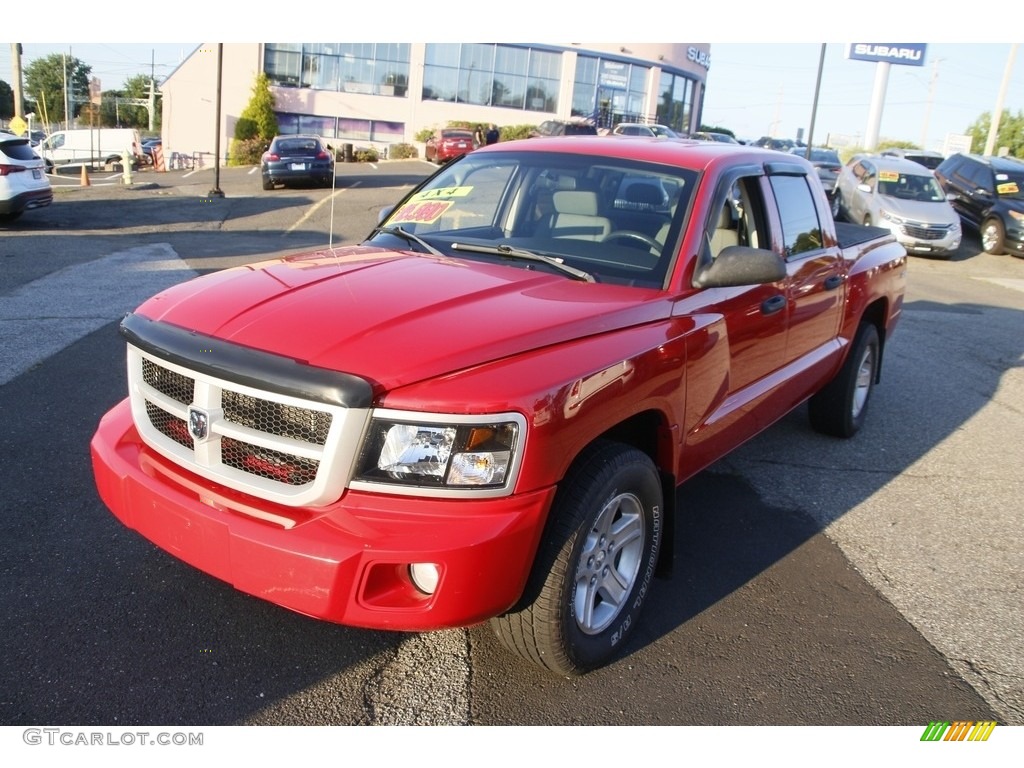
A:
[615,220]
[905,186]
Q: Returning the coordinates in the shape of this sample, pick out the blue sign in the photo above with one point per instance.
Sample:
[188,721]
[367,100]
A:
[911,54]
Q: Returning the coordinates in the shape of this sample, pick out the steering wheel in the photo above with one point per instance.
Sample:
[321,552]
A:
[630,234]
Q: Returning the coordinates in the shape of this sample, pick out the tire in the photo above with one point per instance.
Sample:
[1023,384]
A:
[840,407]
[993,236]
[594,565]
[835,205]
[867,221]
[268,184]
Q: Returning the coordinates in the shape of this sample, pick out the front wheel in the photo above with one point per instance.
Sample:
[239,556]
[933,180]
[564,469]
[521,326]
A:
[594,566]
[993,237]
[839,408]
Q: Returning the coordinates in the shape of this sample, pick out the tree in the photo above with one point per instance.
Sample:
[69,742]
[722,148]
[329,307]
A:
[44,84]
[6,101]
[256,126]
[115,111]
[1010,134]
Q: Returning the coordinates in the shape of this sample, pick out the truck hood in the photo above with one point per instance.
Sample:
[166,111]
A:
[395,317]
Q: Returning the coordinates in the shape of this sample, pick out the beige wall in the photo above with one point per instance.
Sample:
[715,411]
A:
[189,94]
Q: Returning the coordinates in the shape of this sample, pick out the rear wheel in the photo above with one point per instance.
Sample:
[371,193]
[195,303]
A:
[594,566]
[267,183]
[993,237]
[839,408]
[835,205]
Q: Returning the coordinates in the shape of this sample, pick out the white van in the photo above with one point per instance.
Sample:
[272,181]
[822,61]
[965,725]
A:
[104,146]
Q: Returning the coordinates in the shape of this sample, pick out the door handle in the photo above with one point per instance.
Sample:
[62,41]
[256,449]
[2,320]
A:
[774,304]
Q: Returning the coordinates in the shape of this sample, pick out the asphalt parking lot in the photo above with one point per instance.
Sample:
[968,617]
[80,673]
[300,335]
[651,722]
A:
[818,582]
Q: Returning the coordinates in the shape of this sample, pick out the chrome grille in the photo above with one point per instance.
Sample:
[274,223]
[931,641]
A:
[268,463]
[175,385]
[276,418]
[169,425]
[924,232]
[275,446]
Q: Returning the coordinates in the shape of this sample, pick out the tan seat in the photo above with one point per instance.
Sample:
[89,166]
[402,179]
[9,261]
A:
[576,216]
[723,235]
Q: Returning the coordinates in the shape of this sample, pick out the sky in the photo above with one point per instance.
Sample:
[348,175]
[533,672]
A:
[755,88]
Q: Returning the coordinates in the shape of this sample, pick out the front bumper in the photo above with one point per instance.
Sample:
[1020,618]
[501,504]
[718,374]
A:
[346,563]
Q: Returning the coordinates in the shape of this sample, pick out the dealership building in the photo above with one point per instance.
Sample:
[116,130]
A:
[380,94]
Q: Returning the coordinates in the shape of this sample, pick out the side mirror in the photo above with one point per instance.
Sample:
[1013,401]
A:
[739,265]
[384,213]
[866,188]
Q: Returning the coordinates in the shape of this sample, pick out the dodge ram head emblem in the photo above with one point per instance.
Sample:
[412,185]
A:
[198,423]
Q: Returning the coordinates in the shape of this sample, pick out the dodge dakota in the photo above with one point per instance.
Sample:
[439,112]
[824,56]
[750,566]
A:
[484,411]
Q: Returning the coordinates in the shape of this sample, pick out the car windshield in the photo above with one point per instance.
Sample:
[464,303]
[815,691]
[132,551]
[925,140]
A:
[615,220]
[1010,185]
[906,186]
[663,132]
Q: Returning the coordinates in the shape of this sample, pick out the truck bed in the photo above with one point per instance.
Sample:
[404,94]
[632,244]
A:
[850,235]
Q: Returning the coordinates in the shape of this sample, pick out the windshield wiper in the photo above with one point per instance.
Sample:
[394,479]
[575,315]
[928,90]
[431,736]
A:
[399,232]
[519,253]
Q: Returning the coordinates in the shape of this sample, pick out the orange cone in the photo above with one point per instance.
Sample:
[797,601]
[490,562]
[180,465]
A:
[85,177]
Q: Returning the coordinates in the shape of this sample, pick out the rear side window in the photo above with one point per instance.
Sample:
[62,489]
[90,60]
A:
[801,230]
[18,149]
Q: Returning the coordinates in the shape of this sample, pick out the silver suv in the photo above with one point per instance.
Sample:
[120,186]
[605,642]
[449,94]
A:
[902,196]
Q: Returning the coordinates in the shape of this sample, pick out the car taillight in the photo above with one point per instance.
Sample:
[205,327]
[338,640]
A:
[7,170]
[271,156]
[321,155]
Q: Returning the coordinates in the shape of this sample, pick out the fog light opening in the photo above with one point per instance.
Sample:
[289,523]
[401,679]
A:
[425,576]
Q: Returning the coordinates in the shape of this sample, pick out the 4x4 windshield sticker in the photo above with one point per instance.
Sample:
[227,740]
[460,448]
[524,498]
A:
[888,176]
[428,206]
[1007,188]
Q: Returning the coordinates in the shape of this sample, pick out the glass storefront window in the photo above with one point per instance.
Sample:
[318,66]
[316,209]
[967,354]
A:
[517,77]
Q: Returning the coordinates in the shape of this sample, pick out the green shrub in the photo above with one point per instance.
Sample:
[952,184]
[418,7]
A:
[402,151]
[424,134]
[512,132]
[366,155]
[247,151]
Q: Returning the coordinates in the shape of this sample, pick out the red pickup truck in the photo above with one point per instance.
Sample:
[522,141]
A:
[484,411]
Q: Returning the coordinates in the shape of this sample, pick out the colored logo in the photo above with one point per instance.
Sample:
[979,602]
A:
[958,730]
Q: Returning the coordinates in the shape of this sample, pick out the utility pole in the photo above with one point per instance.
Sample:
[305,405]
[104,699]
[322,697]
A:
[19,100]
[997,113]
[928,107]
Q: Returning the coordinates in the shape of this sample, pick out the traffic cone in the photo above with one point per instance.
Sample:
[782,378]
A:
[85,177]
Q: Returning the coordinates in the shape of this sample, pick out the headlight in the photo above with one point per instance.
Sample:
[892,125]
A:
[1017,215]
[891,217]
[440,454]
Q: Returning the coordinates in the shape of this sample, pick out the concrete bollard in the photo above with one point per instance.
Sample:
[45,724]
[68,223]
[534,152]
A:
[126,167]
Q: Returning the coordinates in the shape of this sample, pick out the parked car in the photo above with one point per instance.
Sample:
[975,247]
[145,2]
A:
[645,129]
[724,138]
[779,145]
[564,128]
[147,148]
[449,143]
[828,165]
[988,193]
[297,158]
[927,158]
[903,197]
[23,182]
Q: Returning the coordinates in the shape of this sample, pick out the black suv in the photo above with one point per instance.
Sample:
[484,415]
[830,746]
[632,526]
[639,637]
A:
[988,193]
[565,128]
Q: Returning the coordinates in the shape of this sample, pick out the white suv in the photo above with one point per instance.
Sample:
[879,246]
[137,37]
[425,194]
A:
[23,182]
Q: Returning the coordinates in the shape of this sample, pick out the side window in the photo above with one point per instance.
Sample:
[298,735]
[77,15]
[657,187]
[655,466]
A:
[980,177]
[801,230]
[738,218]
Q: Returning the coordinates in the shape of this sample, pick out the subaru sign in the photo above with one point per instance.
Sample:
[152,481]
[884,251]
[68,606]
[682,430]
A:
[911,54]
